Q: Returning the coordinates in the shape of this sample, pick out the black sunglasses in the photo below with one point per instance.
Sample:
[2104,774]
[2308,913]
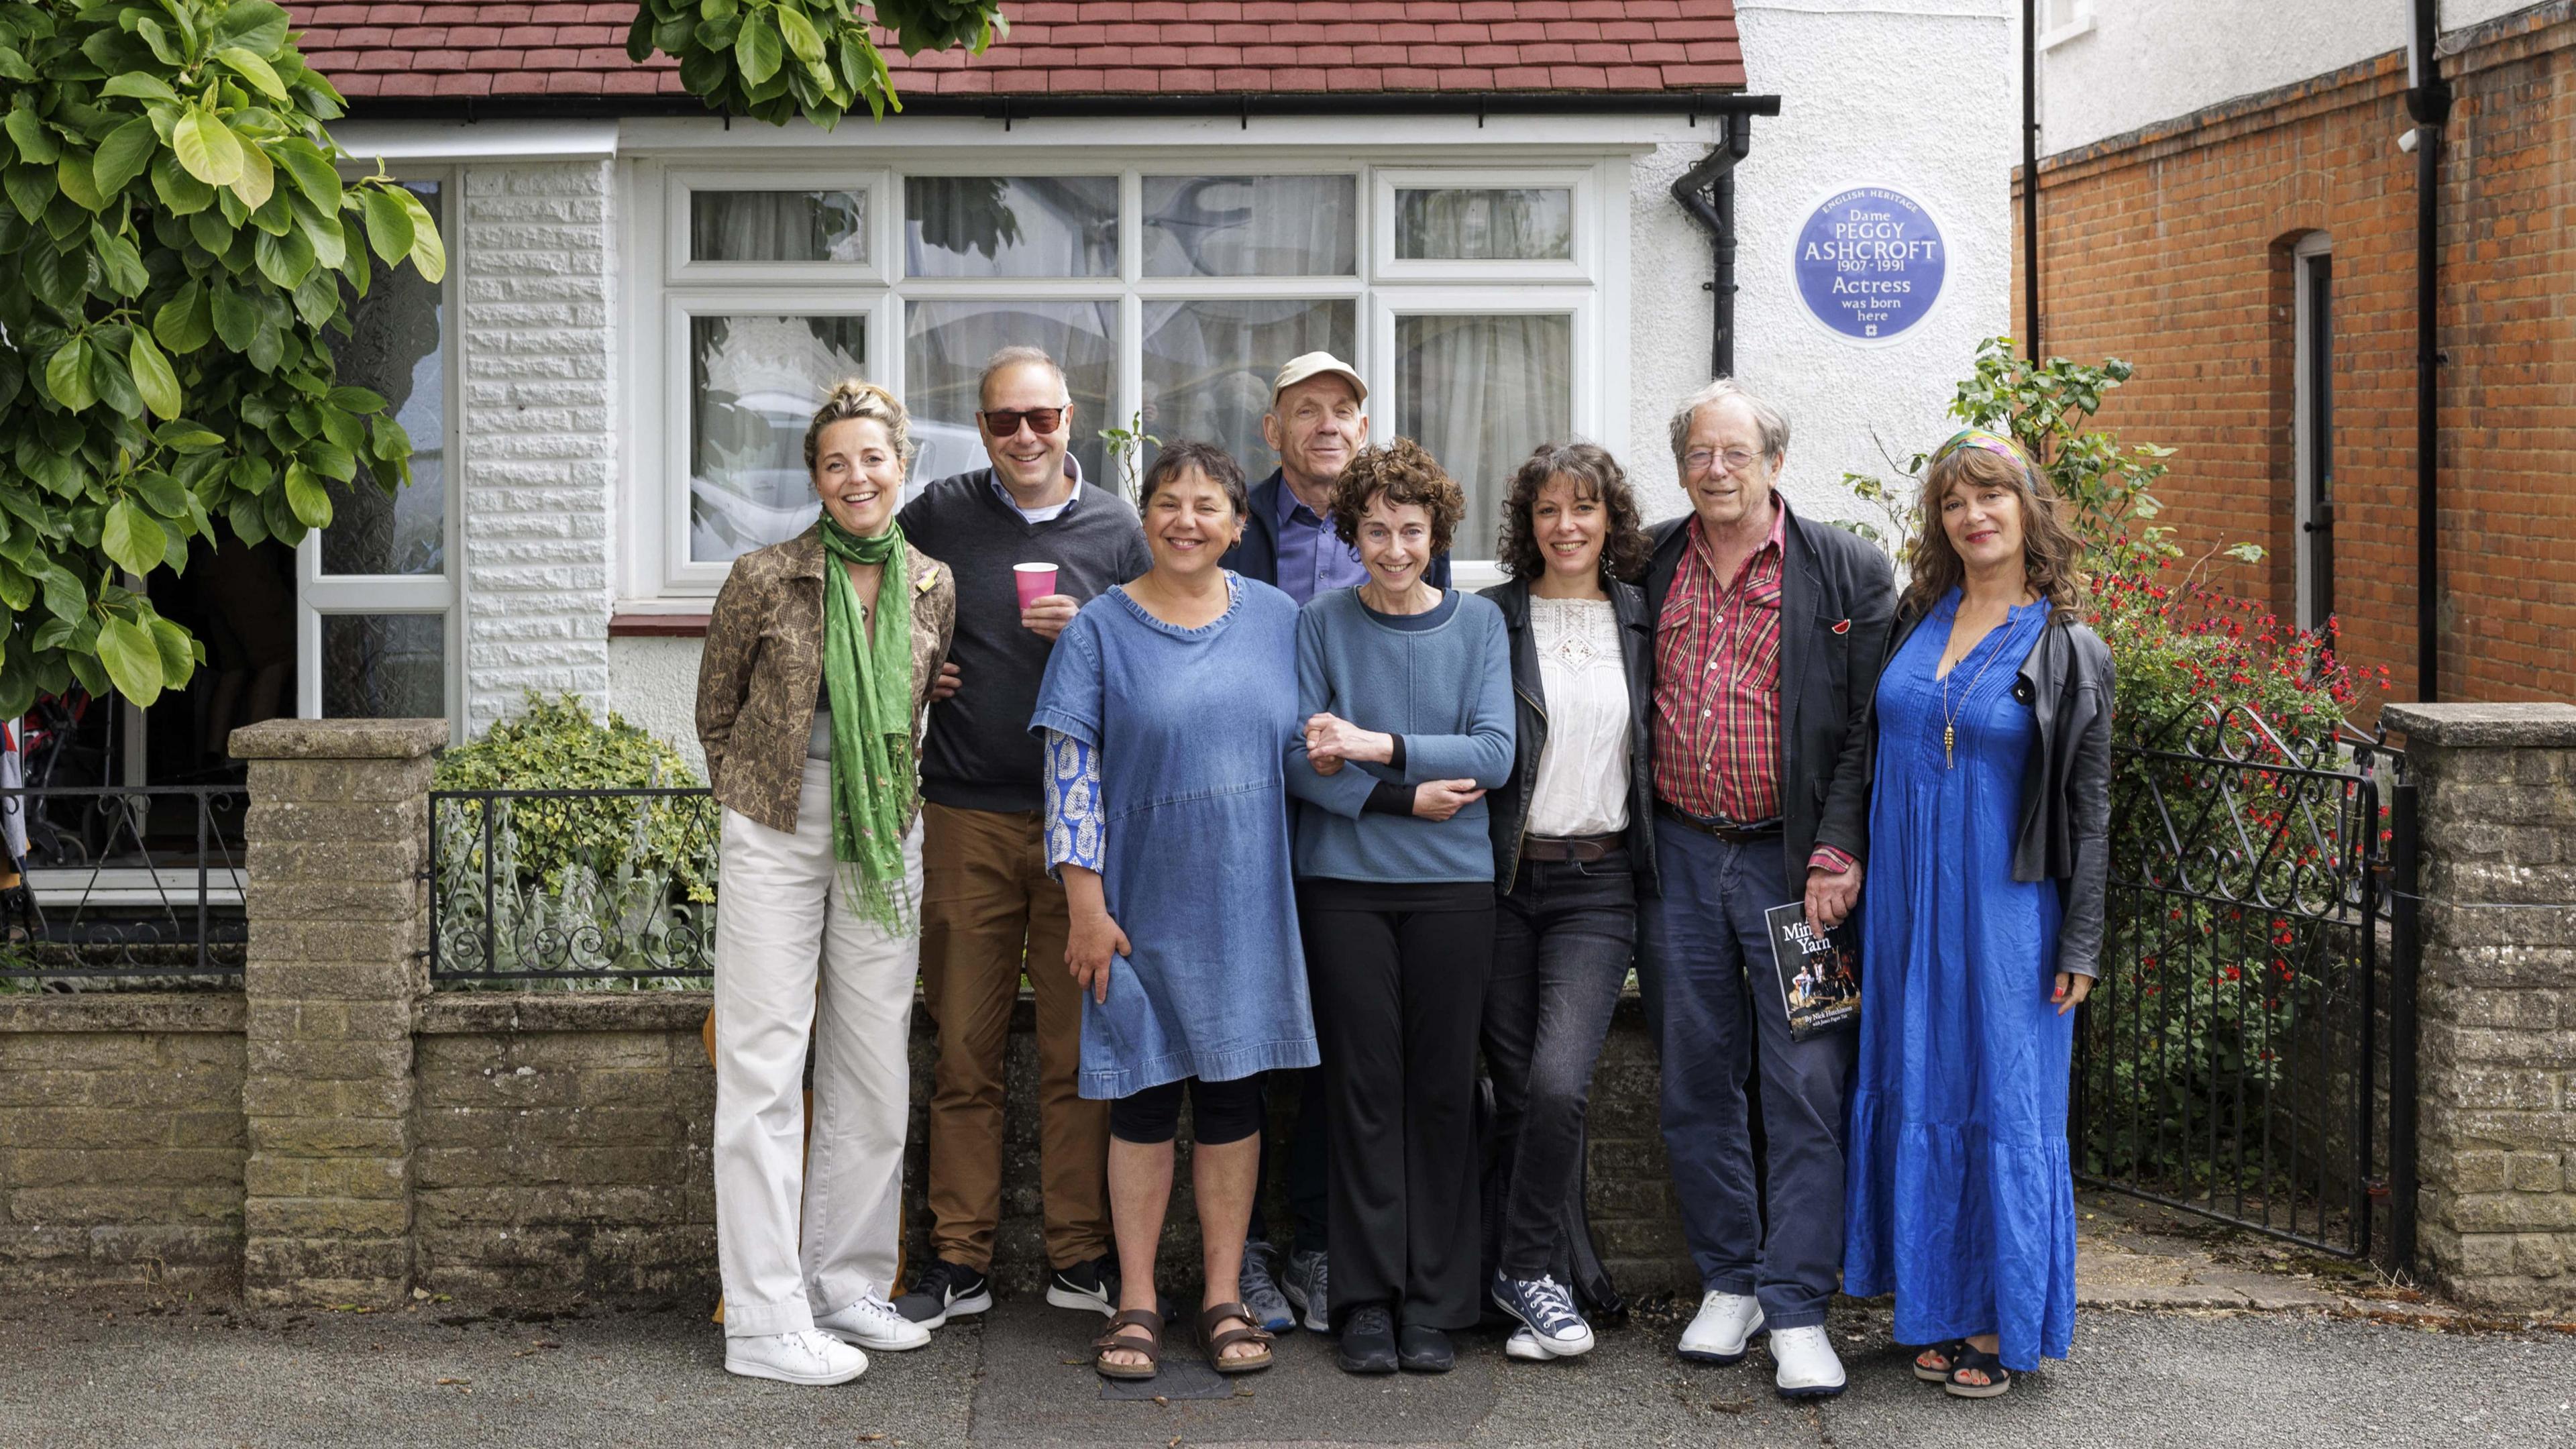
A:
[1005,422]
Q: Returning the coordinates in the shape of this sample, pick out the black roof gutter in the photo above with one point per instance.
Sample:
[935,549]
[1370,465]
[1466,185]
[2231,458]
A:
[1245,107]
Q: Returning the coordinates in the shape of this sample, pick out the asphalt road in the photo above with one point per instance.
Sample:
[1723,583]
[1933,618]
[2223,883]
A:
[93,1370]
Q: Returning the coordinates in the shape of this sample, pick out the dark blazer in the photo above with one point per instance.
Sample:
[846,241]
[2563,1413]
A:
[1837,596]
[1256,554]
[1508,803]
[2065,832]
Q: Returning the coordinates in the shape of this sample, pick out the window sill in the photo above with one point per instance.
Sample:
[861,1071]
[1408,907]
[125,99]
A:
[657,626]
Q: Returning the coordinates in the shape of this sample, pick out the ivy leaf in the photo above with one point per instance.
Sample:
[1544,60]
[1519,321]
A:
[35,145]
[115,385]
[72,173]
[184,194]
[304,494]
[67,376]
[14,65]
[184,324]
[133,661]
[356,400]
[757,49]
[131,537]
[65,596]
[207,148]
[249,65]
[59,279]
[153,377]
[283,259]
[123,155]
[118,262]
[235,319]
[389,225]
[314,176]
[330,460]
[30,191]
[428,254]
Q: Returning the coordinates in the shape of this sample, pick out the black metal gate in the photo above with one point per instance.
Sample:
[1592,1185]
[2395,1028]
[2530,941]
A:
[2248,1052]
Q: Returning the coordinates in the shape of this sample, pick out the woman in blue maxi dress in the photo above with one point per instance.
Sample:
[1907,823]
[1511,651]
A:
[1960,1200]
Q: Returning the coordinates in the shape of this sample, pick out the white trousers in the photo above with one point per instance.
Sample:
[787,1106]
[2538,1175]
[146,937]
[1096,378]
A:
[782,921]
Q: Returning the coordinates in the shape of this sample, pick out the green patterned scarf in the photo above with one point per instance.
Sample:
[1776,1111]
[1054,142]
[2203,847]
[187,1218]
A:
[869,680]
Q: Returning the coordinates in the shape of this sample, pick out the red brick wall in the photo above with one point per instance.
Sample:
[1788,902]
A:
[2170,247]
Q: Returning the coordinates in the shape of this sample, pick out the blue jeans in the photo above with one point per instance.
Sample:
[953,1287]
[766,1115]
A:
[1706,954]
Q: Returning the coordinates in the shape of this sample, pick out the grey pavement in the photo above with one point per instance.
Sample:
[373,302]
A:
[124,1369]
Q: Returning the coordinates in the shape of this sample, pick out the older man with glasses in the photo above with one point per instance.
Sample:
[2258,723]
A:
[988,905]
[1769,633]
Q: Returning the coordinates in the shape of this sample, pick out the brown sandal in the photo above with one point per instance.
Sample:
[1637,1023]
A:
[1217,1343]
[1111,1339]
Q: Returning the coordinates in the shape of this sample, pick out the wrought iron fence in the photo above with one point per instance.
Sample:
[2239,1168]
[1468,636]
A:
[597,886]
[121,884]
[2253,1023]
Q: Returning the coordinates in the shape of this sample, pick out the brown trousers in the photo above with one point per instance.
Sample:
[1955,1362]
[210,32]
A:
[987,906]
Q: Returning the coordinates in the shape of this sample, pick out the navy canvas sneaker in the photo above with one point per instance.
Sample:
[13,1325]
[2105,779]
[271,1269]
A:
[1546,1309]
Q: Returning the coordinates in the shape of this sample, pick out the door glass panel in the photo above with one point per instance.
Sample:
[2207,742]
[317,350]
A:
[384,666]
[1000,226]
[396,348]
[1480,392]
[1459,223]
[944,356]
[1251,226]
[1208,366]
[754,382]
[778,226]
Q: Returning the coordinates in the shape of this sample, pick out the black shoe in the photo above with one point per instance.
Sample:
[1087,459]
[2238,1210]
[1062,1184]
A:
[1424,1351]
[944,1291]
[1091,1286]
[1368,1342]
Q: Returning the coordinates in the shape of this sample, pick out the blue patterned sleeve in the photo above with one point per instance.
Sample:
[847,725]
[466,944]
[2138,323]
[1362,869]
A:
[1073,813]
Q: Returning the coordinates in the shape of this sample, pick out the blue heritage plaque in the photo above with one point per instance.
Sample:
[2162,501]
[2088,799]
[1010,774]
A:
[1869,263]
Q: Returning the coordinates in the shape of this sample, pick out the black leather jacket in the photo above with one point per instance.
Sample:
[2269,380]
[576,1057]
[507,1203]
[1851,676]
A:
[1507,804]
[2065,832]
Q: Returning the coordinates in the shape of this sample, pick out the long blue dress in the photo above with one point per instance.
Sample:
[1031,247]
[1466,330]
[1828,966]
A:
[1959,1199]
[1188,730]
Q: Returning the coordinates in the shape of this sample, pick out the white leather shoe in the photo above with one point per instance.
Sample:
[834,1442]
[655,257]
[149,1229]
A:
[1808,1365]
[1718,1334]
[872,1322]
[804,1357]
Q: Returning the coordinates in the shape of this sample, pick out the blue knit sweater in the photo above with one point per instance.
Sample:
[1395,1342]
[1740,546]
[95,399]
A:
[1448,691]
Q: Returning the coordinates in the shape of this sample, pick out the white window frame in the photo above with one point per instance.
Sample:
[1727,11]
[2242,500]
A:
[318,594]
[2078,21]
[655,574]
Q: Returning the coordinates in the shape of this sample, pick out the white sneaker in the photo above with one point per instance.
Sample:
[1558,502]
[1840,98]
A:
[872,1322]
[1718,1334]
[804,1357]
[1808,1366]
[1523,1345]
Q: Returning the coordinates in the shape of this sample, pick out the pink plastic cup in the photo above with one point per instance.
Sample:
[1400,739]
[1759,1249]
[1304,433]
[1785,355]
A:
[1034,581]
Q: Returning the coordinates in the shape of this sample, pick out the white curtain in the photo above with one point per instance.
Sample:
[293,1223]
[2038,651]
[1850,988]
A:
[1209,365]
[778,226]
[1251,226]
[1480,392]
[1485,224]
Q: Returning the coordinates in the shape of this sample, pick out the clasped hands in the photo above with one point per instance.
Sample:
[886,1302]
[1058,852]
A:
[1330,740]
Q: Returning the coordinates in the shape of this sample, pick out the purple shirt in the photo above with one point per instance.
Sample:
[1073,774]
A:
[1312,560]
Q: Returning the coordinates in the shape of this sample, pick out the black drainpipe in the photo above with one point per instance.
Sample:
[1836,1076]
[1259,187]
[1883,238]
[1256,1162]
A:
[2030,176]
[1707,191]
[2428,103]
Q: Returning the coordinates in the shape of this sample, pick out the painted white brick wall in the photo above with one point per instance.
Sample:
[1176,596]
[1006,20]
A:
[539,265]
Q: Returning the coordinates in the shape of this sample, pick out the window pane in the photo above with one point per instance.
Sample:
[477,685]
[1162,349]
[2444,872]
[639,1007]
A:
[943,358]
[997,226]
[1485,224]
[1208,367]
[396,348]
[384,666]
[1251,226]
[754,383]
[778,226]
[1480,392]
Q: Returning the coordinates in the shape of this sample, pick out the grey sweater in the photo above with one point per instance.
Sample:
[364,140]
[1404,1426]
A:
[979,754]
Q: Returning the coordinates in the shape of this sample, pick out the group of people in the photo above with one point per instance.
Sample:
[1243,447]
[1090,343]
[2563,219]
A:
[1271,816]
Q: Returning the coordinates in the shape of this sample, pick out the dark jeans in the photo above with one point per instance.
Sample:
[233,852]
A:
[1562,942]
[1399,993]
[1308,1155]
[1707,951]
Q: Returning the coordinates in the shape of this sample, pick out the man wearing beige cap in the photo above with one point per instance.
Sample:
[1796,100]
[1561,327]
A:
[1318,421]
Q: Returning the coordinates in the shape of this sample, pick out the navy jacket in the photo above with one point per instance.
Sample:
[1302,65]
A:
[1257,555]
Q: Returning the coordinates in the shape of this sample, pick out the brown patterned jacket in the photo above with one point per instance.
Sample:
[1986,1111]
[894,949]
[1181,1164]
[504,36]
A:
[764,664]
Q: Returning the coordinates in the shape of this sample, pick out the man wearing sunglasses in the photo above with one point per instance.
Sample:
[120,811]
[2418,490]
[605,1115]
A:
[987,904]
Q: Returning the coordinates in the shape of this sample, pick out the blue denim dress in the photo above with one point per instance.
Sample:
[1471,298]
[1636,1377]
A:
[1185,732]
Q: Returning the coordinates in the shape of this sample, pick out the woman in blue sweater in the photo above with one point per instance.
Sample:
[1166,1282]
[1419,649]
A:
[1406,692]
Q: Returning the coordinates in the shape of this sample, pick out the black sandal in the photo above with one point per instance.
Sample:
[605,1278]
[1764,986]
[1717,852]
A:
[1948,1355]
[1217,1343]
[1113,1340]
[1974,1360]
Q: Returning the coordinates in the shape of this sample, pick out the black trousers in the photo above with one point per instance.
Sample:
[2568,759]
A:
[1398,974]
[1308,1159]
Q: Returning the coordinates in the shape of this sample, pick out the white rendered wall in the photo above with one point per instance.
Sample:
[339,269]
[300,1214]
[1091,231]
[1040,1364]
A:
[2145,61]
[538,258]
[654,683]
[1911,94]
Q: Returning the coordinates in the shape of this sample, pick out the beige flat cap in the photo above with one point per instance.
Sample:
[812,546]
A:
[1315,364]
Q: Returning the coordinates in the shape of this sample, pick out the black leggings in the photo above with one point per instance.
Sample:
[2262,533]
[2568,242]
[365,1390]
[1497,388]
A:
[1226,1112]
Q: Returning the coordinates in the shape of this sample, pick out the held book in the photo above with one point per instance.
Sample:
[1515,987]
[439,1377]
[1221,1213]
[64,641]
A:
[1819,975]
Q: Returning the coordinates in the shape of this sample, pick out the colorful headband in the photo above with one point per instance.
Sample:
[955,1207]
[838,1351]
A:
[1995,443]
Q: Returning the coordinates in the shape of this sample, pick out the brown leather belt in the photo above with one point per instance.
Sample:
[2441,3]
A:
[1580,848]
[1732,832]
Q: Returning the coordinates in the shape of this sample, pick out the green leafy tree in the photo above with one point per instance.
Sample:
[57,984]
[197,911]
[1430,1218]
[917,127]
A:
[775,60]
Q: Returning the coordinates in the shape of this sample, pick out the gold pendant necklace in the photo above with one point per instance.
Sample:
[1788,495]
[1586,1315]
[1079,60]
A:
[1949,719]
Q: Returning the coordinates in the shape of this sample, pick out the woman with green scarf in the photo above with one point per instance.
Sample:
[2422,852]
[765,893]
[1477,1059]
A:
[819,660]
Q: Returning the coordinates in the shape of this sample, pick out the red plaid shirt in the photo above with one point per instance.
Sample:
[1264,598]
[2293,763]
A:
[1717,687]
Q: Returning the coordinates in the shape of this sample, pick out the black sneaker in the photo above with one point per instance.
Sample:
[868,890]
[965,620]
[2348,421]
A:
[1092,1286]
[944,1291]
[1368,1341]
[1421,1350]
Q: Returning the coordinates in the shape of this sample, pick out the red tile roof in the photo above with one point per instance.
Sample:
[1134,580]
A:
[1078,47]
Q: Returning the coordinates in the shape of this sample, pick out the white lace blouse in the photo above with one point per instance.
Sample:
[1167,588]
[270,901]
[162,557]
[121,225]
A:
[1582,786]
